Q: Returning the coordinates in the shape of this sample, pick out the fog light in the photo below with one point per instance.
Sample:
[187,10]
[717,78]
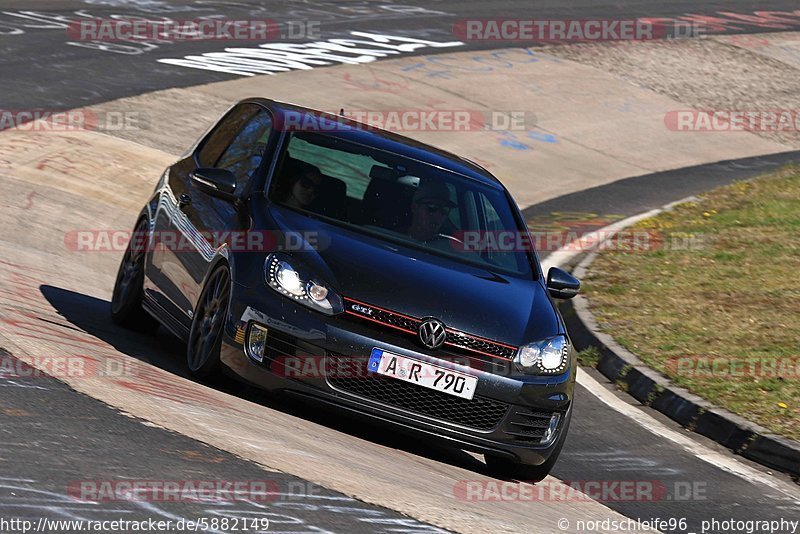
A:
[550,433]
[256,342]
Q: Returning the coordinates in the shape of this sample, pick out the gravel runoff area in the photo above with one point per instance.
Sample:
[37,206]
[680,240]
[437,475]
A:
[703,73]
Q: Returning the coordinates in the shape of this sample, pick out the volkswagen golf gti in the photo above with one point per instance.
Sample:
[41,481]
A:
[318,256]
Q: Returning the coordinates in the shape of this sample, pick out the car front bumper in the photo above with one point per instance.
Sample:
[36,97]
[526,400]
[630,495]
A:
[324,358]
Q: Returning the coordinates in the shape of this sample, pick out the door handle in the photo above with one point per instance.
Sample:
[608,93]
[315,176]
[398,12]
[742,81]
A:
[184,201]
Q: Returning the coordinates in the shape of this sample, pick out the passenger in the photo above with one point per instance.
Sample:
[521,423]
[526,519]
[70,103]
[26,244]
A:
[430,207]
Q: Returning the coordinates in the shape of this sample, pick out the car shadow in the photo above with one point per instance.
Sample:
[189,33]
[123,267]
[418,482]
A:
[163,350]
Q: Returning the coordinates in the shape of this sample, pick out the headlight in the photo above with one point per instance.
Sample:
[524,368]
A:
[286,276]
[546,357]
[288,280]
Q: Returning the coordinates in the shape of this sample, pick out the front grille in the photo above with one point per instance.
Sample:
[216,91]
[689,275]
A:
[479,413]
[455,338]
[395,319]
[460,339]
[528,426]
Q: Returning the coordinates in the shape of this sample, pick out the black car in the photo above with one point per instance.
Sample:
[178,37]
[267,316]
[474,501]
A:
[316,255]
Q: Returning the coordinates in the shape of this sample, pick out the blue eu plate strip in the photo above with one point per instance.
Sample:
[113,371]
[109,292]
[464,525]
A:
[374,360]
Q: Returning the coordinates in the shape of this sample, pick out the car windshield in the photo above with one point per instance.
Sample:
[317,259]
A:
[401,200]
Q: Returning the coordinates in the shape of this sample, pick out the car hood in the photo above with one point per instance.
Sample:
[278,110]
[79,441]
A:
[406,280]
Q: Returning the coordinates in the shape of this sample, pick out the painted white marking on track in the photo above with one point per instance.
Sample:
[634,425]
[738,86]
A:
[724,461]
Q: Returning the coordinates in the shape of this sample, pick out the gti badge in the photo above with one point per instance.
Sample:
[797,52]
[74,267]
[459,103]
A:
[432,333]
[362,309]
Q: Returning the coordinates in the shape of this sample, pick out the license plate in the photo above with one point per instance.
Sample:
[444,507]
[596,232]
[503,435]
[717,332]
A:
[422,373]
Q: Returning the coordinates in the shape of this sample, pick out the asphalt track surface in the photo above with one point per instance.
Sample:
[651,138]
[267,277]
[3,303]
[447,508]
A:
[79,438]
[602,205]
[42,67]
[55,439]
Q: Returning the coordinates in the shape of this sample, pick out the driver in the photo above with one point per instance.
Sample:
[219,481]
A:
[430,207]
[305,187]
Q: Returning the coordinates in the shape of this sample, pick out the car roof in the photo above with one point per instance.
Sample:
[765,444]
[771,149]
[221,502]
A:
[359,132]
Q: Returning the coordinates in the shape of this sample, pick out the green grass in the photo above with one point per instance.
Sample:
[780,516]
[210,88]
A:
[589,356]
[717,303]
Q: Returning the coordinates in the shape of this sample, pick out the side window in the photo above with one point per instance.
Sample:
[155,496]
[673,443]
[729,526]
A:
[455,214]
[493,221]
[223,134]
[243,156]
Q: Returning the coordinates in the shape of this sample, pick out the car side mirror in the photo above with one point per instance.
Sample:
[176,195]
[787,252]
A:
[561,284]
[217,182]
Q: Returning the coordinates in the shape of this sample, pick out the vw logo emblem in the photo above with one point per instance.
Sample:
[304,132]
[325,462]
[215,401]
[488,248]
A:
[432,333]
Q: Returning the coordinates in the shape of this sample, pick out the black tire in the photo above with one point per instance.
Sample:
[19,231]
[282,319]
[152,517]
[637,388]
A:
[126,299]
[508,469]
[205,335]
